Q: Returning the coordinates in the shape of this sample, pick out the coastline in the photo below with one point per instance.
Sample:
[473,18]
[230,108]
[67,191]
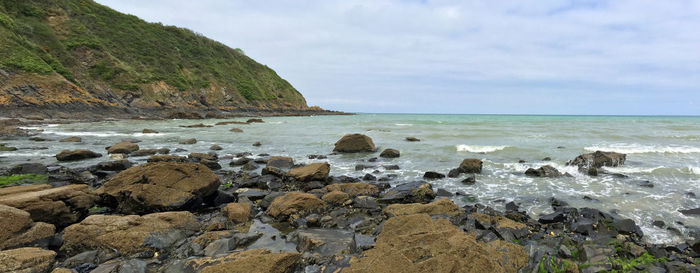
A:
[346,214]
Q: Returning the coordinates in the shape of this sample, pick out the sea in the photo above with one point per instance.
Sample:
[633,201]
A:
[663,151]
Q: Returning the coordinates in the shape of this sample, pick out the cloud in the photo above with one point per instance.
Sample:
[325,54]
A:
[587,57]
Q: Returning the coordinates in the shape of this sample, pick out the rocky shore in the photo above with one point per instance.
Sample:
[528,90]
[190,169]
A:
[272,214]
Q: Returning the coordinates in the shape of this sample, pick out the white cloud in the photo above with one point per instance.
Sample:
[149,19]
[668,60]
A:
[384,50]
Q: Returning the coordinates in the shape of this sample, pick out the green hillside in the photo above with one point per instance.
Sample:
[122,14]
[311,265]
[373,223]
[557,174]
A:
[116,59]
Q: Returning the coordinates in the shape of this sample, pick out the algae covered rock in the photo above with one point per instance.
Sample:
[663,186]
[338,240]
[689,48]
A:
[354,143]
[159,186]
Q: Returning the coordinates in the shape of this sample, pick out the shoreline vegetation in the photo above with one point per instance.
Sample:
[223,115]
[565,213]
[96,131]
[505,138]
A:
[272,214]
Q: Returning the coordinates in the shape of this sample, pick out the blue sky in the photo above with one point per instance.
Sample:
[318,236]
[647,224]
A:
[504,57]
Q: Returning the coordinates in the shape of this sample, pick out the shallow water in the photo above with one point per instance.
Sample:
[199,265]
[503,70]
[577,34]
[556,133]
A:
[663,150]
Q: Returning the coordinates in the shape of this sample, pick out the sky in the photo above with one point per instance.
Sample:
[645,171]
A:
[622,57]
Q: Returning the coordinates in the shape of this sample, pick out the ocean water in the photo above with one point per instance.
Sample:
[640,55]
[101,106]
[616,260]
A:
[662,150]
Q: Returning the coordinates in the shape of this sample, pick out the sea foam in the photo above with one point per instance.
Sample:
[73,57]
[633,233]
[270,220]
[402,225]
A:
[479,148]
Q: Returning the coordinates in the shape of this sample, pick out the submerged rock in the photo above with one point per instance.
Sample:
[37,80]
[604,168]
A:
[390,153]
[159,186]
[354,143]
[71,139]
[189,141]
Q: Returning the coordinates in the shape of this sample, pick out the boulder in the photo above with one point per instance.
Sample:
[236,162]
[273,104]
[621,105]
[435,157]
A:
[159,186]
[278,165]
[433,175]
[123,148]
[295,204]
[544,171]
[257,144]
[115,165]
[254,260]
[412,192]
[237,212]
[390,153]
[325,242]
[68,155]
[442,207]
[60,206]
[26,260]
[354,189]
[598,159]
[236,130]
[17,228]
[189,141]
[335,197]
[215,148]
[149,131]
[471,165]
[129,234]
[313,171]
[29,168]
[71,139]
[354,143]
[412,139]
[143,152]
[254,120]
[417,243]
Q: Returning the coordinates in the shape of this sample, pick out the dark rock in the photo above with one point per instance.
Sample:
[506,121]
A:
[254,120]
[453,173]
[471,165]
[149,131]
[391,167]
[250,166]
[544,171]
[369,177]
[443,193]
[412,192]
[691,212]
[117,165]
[325,242]
[189,141]
[390,153]
[360,167]
[627,227]
[547,159]
[599,159]
[365,202]
[253,194]
[71,139]
[215,148]
[240,161]
[257,144]
[373,159]
[74,155]
[433,175]
[645,183]
[412,139]
[29,168]
[211,164]
[659,224]
[555,217]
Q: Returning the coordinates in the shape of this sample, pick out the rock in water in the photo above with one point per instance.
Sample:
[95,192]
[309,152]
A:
[129,234]
[26,259]
[354,143]
[17,228]
[313,171]
[412,192]
[189,141]
[599,159]
[544,171]
[417,243]
[67,155]
[123,148]
[159,186]
[71,139]
[471,165]
[149,131]
[390,153]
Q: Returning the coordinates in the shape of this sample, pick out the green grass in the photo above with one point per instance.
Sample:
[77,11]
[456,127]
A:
[14,180]
[125,52]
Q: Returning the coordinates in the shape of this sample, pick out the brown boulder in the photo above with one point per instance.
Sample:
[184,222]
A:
[313,171]
[149,131]
[335,197]
[252,120]
[390,153]
[68,155]
[166,158]
[354,143]
[354,189]
[417,243]
[123,148]
[236,130]
[189,141]
[129,234]
[278,165]
[295,204]
[442,207]
[254,260]
[60,206]
[71,139]
[17,228]
[599,159]
[237,212]
[26,260]
[544,171]
[471,165]
[159,186]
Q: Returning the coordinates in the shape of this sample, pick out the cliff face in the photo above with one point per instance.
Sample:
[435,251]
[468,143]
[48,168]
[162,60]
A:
[77,54]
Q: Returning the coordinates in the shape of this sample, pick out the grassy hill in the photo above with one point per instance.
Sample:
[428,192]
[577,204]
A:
[77,52]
